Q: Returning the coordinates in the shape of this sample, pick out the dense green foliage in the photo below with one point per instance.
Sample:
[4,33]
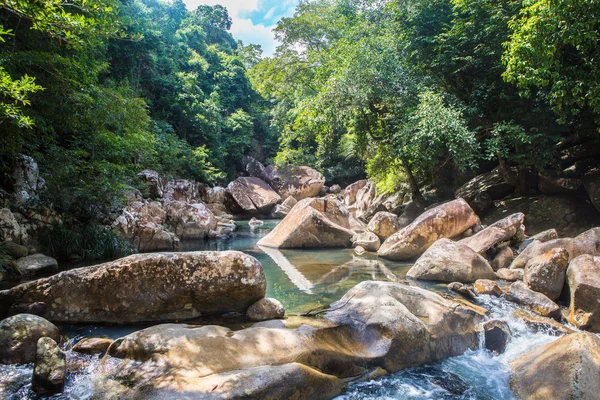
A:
[98,90]
[408,89]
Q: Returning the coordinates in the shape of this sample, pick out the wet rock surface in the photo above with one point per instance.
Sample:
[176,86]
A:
[50,369]
[19,335]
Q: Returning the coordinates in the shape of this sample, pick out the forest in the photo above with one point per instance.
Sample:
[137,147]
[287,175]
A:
[417,93]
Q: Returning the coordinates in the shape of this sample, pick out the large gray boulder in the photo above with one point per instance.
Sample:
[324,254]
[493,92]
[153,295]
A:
[444,221]
[299,182]
[565,369]
[189,220]
[546,273]
[252,195]
[449,261]
[50,369]
[19,335]
[312,223]
[481,191]
[37,264]
[519,293]
[144,287]
[384,224]
[583,277]
[381,325]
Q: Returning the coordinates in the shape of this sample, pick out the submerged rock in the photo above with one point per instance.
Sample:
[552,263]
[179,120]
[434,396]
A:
[449,261]
[265,309]
[144,287]
[50,369]
[19,335]
[312,223]
[254,222]
[583,276]
[565,369]
[444,221]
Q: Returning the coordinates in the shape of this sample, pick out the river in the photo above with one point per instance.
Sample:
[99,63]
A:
[305,280]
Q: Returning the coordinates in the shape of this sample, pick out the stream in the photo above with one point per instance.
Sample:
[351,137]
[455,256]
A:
[305,280]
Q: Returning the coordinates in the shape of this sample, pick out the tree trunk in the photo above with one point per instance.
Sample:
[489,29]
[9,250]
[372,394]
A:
[412,183]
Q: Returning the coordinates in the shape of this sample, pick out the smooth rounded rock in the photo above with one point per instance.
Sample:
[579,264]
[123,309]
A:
[50,369]
[37,264]
[19,335]
[92,345]
[546,273]
[519,293]
[265,309]
[384,224]
[487,286]
[367,240]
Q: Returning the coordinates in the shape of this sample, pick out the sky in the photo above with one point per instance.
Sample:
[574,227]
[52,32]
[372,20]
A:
[253,20]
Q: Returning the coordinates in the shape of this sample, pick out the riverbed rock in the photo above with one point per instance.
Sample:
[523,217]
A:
[461,288]
[92,345]
[384,224]
[487,286]
[380,325]
[16,250]
[497,334]
[583,277]
[36,264]
[586,243]
[367,240]
[541,324]
[182,190]
[490,185]
[19,335]
[565,369]
[519,293]
[335,189]
[10,229]
[312,223]
[449,261]
[546,273]
[484,240]
[503,258]
[510,275]
[364,198]
[265,309]
[255,222]
[153,182]
[215,195]
[510,225]
[299,182]
[544,236]
[144,287]
[352,190]
[444,221]
[50,369]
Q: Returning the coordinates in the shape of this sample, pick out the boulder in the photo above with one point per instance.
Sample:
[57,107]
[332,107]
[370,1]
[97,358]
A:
[546,273]
[352,190]
[510,275]
[502,259]
[510,225]
[461,288]
[26,178]
[496,334]
[364,198]
[312,223]
[335,189]
[253,195]
[254,222]
[490,185]
[279,212]
[359,250]
[254,167]
[16,250]
[569,215]
[367,240]
[19,335]
[289,202]
[298,182]
[565,369]
[519,293]
[10,229]
[444,221]
[586,243]
[381,325]
[448,261]
[92,345]
[487,286]
[537,323]
[412,210]
[544,236]
[583,277]
[591,182]
[189,221]
[153,182]
[36,264]
[484,240]
[215,195]
[265,309]
[182,190]
[549,184]
[50,368]
[384,224]
[143,288]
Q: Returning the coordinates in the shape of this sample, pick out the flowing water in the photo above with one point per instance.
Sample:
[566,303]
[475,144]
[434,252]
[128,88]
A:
[305,280]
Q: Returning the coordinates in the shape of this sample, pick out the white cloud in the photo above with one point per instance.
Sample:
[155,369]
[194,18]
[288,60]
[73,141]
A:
[242,27]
